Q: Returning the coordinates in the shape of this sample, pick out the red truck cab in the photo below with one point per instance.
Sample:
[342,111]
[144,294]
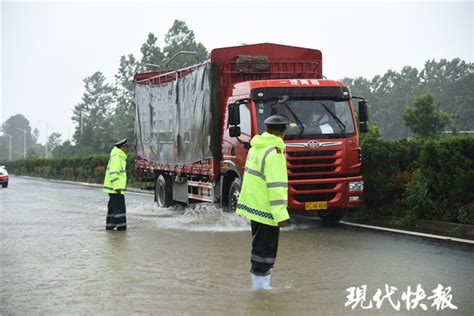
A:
[322,141]
[322,150]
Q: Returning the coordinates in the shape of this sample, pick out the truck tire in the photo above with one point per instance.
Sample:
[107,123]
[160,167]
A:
[333,216]
[234,193]
[163,192]
[4,185]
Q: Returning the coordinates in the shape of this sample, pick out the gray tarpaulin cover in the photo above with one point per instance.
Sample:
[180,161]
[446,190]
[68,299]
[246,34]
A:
[173,120]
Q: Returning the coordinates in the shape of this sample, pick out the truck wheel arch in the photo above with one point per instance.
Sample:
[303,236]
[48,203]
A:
[229,171]
[227,180]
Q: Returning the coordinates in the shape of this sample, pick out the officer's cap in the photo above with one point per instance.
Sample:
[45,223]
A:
[277,119]
[120,143]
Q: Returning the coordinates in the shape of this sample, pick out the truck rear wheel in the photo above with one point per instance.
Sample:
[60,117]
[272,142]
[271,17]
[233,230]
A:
[333,216]
[234,193]
[163,193]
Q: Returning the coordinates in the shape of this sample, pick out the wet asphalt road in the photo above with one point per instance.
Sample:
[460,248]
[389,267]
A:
[56,258]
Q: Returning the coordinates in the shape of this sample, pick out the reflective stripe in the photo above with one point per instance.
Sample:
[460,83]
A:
[255,173]
[277,185]
[254,211]
[268,152]
[113,180]
[119,215]
[117,172]
[121,225]
[110,215]
[279,202]
[112,189]
[110,225]
[262,260]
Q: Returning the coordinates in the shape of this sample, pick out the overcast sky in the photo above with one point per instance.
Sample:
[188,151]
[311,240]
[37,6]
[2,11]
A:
[49,48]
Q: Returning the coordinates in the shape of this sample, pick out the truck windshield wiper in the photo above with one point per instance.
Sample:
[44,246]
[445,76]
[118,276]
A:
[283,100]
[338,121]
[298,122]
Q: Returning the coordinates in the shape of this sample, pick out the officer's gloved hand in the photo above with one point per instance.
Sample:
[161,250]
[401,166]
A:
[282,223]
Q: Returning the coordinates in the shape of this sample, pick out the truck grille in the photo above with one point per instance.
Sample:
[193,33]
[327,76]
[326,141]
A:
[311,153]
[304,165]
[304,162]
[314,197]
[314,186]
[312,162]
[311,169]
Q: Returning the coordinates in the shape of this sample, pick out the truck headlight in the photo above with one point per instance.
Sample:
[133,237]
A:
[356,186]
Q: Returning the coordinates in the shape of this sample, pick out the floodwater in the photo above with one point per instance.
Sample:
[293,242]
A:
[56,258]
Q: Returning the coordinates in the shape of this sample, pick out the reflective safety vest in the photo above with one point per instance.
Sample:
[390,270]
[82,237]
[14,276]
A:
[116,173]
[264,194]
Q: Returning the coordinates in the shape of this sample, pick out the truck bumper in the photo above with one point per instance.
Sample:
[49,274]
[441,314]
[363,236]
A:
[333,191]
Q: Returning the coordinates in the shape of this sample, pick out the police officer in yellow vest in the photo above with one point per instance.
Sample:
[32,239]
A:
[115,183]
[264,197]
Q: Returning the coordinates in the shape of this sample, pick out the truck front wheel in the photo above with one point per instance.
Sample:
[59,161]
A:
[163,192]
[234,193]
[333,216]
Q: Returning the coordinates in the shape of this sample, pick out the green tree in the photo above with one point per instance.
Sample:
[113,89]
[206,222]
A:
[125,110]
[451,83]
[394,92]
[461,102]
[54,140]
[66,149]
[151,54]
[425,118]
[389,95]
[38,150]
[93,116]
[180,38]
[359,86]
[436,76]
[22,135]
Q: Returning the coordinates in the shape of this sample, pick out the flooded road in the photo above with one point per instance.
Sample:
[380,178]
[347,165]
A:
[56,258]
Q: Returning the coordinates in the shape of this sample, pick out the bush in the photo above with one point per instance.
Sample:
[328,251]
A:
[466,214]
[86,169]
[419,179]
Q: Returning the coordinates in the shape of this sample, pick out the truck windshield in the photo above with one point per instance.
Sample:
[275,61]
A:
[310,119]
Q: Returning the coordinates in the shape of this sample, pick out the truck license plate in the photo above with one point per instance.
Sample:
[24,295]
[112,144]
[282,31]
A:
[314,206]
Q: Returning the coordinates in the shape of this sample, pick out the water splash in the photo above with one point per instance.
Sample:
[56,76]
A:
[197,217]
[194,217]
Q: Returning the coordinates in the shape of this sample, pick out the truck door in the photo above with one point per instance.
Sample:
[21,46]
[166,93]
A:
[235,149]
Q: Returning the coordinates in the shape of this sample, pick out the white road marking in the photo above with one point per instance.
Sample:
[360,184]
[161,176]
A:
[407,232]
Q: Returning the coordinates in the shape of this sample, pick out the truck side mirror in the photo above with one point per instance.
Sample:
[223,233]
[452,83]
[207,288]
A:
[234,131]
[363,111]
[363,127]
[234,114]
